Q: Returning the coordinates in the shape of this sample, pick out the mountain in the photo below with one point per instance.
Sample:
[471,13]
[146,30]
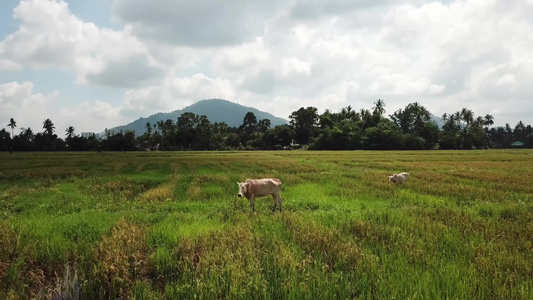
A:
[437,120]
[216,110]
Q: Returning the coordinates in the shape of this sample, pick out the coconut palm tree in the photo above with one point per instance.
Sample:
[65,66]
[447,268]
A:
[148,129]
[70,132]
[12,124]
[379,108]
[467,115]
[48,127]
[489,120]
[444,117]
[28,134]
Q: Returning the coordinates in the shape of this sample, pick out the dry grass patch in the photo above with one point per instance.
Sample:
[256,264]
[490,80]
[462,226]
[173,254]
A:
[219,265]
[163,192]
[121,258]
[323,242]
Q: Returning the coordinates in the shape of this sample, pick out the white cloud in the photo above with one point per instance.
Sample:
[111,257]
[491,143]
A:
[175,93]
[403,84]
[506,80]
[282,55]
[20,102]
[294,67]
[207,23]
[49,36]
[30,108]
[241,58]
[9,65]
[91,116]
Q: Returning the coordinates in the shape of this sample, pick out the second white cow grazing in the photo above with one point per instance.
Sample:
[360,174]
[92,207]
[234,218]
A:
[399,178]
[252,188]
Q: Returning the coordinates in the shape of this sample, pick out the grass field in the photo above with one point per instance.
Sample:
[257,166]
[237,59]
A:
[169,225]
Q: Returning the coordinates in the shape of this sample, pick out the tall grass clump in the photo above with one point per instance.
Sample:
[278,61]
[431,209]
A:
[120,259]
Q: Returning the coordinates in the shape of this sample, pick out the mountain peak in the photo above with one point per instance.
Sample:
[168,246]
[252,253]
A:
[216,110]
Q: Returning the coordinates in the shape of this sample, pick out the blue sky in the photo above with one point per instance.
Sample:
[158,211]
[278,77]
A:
[102,63]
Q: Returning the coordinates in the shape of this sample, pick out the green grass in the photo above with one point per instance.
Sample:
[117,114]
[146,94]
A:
[169,225]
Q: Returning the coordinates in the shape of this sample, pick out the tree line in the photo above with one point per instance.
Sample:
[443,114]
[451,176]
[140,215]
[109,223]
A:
[410,128]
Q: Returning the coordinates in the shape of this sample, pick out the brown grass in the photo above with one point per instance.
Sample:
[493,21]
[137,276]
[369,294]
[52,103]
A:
[121,258]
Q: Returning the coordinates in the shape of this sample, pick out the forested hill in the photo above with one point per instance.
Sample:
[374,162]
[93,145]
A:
[216,110]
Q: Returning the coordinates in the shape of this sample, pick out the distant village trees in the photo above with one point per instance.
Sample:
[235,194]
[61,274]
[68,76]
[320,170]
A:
[410,128]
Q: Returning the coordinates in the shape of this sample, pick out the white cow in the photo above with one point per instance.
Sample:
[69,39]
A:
[252,188]
[399,178]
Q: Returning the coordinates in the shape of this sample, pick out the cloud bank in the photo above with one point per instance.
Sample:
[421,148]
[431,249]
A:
[281,55]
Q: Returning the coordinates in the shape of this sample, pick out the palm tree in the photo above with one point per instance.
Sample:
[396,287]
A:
[365,113]
[379,109]
[148,129]
[444,117]
[489,120]
[161,128]
[28,134]
[421,114]
[456,117]
[12,124]
[467,115]
[48,127]
[70,132]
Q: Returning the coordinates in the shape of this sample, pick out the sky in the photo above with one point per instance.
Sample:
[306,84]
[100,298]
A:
[103,63]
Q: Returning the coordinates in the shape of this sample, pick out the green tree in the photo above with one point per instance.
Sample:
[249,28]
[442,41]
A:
[415,120]
[28,134]
[463,131]
[467,116]
[70,132]
[202,133]
[327,119]
[444,117]
[248,128]
[263,125]
[519,132]
[4,136]
[249,124]
[479,136]
[129,141]
[12,124]
[304,122]
[148,129]
[449,136]
[48,140]
[48,127]
[489,120]
[347,113]
[379,108]
[232,140]
[24,141]
[186,129]
[285,134]
[220,131]
[369,119]
[529,137]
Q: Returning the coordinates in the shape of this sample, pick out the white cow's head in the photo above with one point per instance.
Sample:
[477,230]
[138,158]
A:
[242,188]
[392,179]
